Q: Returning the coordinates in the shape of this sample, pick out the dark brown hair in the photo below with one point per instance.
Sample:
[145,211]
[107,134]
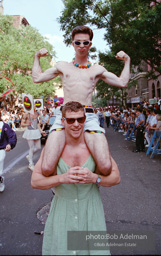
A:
[72,106]
[84,30]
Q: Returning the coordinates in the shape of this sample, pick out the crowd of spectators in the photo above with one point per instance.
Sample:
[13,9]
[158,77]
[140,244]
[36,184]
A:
[137,124]
[13,117]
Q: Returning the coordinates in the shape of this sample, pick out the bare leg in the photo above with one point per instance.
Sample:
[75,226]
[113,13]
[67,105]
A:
[52,152]
[98,146]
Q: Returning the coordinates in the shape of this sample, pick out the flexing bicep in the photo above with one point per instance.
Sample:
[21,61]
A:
[112,79]
[47,75]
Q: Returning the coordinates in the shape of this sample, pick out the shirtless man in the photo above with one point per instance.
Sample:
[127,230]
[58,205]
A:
[79,79]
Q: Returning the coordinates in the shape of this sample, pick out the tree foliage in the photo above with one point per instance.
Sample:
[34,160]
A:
[17,50]
[132,26]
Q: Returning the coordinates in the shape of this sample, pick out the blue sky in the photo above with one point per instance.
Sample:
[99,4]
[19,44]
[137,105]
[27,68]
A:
[42,14]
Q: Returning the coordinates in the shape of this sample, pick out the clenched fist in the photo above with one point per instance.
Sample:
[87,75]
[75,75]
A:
[42,52]
[122,56]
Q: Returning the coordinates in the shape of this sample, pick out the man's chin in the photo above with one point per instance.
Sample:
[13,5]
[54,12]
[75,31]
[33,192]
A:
[76,133]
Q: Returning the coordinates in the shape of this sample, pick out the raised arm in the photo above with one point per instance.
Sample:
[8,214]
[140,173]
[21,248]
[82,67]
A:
[37,75]
[114,80]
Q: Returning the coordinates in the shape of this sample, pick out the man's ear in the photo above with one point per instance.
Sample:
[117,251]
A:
[62,121]
[90,44]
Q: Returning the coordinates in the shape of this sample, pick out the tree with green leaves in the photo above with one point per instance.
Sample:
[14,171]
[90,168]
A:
[131,26]
[17,50]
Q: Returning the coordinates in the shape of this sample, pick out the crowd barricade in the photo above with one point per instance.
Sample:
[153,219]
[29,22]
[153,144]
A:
[154,144]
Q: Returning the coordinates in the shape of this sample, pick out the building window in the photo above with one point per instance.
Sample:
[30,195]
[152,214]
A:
[158,90]
[136,89]
[153,90]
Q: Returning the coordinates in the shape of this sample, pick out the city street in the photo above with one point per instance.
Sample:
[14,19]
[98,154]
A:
[133,205]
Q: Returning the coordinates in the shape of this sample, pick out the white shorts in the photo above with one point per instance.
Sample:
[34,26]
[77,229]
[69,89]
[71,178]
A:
[91,124]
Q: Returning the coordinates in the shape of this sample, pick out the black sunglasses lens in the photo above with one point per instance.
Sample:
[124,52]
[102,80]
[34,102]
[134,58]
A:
[86,42]
[77,43]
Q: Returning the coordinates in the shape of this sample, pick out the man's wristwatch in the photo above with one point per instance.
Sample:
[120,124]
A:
[98,180]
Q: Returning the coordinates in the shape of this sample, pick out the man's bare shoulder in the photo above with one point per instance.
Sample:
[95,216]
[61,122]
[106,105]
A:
[61,64]
[98,69]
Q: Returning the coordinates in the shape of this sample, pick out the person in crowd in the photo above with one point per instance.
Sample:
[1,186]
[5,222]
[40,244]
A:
[119,121]
[125,121]
[101,117]
[11,121]
[139,124]
[8,141]
[147,123]
[32,134]
[79,78]
[18,117]
[158,126]
[55,110]
[107,116]
[131,126]
[152,124]
[43,119]
[77,205]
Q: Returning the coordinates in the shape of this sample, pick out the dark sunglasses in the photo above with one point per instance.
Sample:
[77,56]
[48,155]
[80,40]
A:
[84,42]
[80,120]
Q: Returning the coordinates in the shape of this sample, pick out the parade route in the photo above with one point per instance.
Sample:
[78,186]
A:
[133,205]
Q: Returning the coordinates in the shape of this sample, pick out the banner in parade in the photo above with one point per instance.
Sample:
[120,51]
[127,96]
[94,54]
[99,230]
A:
[28,103]
[38,104]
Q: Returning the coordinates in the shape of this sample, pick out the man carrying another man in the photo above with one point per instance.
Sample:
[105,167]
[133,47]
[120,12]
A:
[79,79]
[77,204]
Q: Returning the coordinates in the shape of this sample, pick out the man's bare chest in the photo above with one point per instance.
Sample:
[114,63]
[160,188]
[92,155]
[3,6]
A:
[75,157]
[70,74]
[78,76]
